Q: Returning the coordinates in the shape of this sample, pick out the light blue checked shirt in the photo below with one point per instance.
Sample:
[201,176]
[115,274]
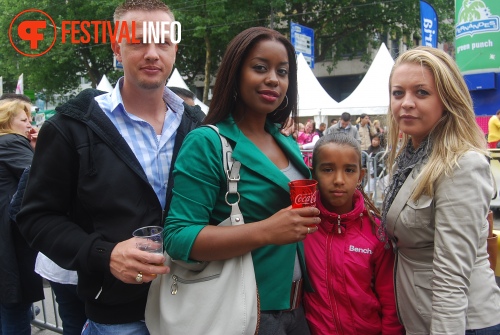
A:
[154,152]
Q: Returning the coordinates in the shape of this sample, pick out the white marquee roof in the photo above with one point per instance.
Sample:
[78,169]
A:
[176,80]
[372,94]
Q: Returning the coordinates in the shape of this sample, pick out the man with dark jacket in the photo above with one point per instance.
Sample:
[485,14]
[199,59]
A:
[344,126]
[103,168]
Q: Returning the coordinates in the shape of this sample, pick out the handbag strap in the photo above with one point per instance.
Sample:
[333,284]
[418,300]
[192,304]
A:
[232,172]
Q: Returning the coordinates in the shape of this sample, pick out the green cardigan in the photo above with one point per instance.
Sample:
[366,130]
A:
[198,199]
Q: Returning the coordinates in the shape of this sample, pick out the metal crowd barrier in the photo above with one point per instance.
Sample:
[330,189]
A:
[49,317]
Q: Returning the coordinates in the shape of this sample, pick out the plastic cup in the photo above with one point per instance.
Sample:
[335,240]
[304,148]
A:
[149,239]
[303,193]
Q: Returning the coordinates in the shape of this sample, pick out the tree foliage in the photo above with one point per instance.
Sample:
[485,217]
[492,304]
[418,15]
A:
[207,28]
[59,70]
[343,29]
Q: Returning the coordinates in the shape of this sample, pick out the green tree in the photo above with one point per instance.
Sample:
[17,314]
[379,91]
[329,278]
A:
[59,70]
[207,28]
[343,29]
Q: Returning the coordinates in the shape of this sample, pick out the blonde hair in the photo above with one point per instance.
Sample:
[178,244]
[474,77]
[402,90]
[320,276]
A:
[455,133]
[141,5]
[9,109]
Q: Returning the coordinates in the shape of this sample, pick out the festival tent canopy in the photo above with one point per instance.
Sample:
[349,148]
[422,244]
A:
[371,96]
[177,81]
[314,101]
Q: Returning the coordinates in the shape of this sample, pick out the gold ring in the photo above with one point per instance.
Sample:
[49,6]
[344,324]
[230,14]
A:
[308,230]
[138,278]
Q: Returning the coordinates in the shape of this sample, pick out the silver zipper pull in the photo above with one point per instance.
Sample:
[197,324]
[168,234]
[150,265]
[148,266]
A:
[173,288]
[338,222]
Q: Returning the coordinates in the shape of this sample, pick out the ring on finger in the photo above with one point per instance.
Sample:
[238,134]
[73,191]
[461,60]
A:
[138,278]
[308,230]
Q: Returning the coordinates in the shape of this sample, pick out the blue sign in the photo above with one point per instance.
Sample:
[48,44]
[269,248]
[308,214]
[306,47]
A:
[429,25]
[303,41]
[116,64]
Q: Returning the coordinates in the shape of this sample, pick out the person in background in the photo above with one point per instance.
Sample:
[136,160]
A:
[494,130]
[306,134]
[255,89]
[344,126]
[349,267]
[103,168]
[63,282]
[307,141]
[377,162]
[20,286]
[298,133]
[16,96]
[186,95]
[380,132]
[378,127]
[366,131]
[436,206]
[321,130]
[333,122]
[375,146]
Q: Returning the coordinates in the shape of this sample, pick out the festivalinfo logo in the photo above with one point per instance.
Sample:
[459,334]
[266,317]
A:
[32,32]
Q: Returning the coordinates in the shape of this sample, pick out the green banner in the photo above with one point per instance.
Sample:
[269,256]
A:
[477,35]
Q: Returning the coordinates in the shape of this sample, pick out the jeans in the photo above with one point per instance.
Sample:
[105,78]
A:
[284,323]
[15,319]
[133,328]
[71,308]
[493,330]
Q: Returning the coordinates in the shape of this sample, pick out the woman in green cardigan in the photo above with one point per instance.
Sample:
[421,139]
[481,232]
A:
[255,90]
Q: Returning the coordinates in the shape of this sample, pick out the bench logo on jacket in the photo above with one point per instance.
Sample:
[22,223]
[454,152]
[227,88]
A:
[360,250]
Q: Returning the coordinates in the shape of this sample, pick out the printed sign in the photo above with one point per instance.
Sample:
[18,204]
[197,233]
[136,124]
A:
[477,35]
[302,39]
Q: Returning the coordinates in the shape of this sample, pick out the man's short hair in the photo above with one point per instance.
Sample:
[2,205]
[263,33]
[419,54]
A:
[182,92]
[15,96]
[144,5]
[345,117]
[362,116]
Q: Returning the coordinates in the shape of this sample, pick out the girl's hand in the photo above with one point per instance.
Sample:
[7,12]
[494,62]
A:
[291,225]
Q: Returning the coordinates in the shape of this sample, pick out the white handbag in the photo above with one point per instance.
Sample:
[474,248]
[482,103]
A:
[207,298]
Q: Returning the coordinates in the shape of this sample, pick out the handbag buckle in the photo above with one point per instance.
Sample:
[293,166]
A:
[296,294]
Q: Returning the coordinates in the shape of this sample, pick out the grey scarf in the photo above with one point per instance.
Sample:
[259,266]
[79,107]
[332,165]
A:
[405,163]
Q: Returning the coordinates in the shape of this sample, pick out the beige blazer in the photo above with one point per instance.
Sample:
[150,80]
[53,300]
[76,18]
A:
[442,278]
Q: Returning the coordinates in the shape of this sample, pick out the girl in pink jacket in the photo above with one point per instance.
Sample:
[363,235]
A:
[349,267]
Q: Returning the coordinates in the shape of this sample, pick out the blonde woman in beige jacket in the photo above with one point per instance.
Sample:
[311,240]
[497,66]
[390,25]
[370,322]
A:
[436,204]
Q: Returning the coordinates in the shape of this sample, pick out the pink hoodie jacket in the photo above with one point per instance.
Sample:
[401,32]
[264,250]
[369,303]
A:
[351,273]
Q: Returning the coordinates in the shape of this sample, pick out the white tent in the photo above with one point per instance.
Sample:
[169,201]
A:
[314,101]
[177,81]
[104,84]
[372,94]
